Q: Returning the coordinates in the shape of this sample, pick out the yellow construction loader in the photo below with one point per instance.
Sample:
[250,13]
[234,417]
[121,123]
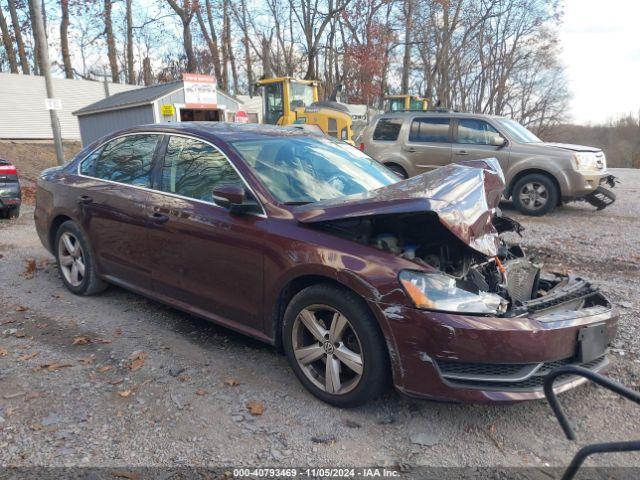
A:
[399,103]
[288,101]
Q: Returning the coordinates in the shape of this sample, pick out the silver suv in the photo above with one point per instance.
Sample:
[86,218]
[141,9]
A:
[539,175]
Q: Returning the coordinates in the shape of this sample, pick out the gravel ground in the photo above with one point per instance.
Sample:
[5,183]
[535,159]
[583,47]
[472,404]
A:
[119,380]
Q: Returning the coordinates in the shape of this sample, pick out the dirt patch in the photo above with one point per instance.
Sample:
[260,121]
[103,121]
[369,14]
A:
[31,157]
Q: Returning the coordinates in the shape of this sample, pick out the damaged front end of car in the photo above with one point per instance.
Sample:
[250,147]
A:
[448,223]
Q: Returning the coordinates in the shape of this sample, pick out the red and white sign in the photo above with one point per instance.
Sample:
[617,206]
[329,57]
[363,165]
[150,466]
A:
[200,91]
[242,117]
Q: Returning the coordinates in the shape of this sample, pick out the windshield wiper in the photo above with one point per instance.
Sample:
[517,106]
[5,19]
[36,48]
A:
[296,203]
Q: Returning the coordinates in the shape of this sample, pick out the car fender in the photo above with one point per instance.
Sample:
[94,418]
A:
[398,159]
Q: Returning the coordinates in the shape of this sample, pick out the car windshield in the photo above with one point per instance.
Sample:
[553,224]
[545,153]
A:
[517,131]
[298,170]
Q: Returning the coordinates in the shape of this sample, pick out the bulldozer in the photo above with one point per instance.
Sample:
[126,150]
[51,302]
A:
[400,103]
[289,101]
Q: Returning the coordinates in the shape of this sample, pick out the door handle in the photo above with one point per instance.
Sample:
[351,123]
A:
[85,200]
[159,218]
[409,149]
[462,152]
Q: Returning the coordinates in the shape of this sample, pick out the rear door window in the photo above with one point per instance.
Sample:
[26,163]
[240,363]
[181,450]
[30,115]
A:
[475,132]
[387,129]
[192,169]
[430,130]
[125,160]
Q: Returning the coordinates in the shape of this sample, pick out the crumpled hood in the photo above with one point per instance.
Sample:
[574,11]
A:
[463,196]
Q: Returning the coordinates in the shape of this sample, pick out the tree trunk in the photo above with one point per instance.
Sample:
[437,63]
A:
[225,49]
[147,76]
[64,39]
[406,61]
[130,71]
[111,42]
[24,61]
[266,58]
[36,45]
[247,49]
[8,44]
[188,45]
[212,40]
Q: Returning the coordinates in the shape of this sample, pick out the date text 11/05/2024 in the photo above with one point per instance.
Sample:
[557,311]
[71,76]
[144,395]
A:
[315,472]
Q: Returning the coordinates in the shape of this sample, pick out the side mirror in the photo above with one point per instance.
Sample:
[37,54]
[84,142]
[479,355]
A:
[233,198]
[498,141]
[228,195]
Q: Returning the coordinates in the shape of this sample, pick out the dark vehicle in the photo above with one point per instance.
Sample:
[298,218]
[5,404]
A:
[9,190]
[312,246]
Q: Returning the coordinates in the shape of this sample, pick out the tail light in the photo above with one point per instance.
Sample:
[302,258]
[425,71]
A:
[8,170]
[361,147]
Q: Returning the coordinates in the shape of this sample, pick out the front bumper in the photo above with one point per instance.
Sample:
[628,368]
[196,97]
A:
[580,184]
[492,359]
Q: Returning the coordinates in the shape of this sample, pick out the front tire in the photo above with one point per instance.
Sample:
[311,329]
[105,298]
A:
[398,170]
[335,347]
[75,261]
[535,194]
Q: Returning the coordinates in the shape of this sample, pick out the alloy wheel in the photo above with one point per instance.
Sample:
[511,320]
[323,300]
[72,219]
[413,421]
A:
[327,349]
[71,258]
[534,195]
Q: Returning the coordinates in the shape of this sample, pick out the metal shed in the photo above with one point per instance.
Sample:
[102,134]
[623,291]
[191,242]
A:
[162,103]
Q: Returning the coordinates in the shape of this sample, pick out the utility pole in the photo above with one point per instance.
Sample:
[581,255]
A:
[46,71]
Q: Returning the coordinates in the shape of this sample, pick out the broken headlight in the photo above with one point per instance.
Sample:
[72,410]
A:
[438,291]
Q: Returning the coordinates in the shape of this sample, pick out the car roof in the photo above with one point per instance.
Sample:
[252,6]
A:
[226,132]
[437,113]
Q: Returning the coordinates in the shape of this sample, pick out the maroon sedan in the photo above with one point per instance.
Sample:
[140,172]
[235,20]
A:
[312,246]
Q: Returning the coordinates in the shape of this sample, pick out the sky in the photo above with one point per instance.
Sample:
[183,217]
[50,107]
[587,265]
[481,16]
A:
[601,51]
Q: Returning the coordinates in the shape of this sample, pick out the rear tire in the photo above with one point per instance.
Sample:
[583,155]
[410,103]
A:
[535,194]
[334,346]
[398,170]
[13,213]
[75,260]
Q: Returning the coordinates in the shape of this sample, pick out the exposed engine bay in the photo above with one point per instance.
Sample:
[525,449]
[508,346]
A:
[515,282]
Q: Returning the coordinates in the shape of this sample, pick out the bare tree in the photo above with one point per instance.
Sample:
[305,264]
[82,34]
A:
[8,44]
[212,40]
[22,54]
[313,23]
[186,13]
[64,39]
[111,42]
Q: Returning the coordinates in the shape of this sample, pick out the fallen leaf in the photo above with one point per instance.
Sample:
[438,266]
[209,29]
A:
[136,360]
[118,331]
[35,426]
[125,393]
[28,356]
[4,352]
[5,322]
[201,392]
[30,268]
[255,407]
[104,368]
[52,367]
[116,381]
[232,382]
[19,334]
[127,475]
[184,377]
[42,325]
[32,395]
[119,413]
[81,340]
[88,360]
[21,308]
